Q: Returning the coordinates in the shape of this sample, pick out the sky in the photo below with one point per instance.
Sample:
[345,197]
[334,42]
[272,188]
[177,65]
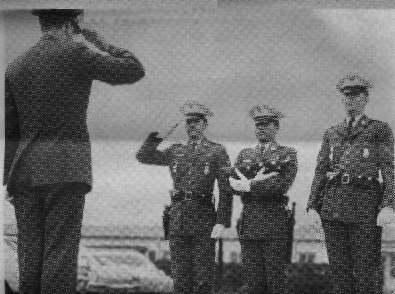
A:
[231,58]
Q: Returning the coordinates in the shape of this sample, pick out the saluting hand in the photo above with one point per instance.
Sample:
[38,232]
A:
[242,185]
[95,38]
[260,176]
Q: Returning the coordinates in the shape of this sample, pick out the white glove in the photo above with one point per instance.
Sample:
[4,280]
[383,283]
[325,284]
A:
[218,231]
[312,213]
[242,185]
[314,223]
[386,216]
[260,176]
[8,196]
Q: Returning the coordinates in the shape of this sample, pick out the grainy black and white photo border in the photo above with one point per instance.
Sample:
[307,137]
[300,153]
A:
[227,56]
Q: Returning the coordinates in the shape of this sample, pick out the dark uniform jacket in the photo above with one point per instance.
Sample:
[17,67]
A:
[264,213]
[47,94]
[194,170]
[355,195]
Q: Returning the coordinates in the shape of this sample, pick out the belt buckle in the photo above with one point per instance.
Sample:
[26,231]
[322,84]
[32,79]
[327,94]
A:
[345,179]
[188,195]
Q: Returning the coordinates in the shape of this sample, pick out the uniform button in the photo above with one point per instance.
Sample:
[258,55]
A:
[335,215]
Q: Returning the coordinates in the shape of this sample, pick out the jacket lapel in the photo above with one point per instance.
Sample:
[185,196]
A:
[266,152]
[341,129]
[271,151]
[181,163]
[201,148]
[191,156]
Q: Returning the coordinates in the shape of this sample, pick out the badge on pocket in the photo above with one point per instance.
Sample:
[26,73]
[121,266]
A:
[175,167]
[365,152]
[207,169]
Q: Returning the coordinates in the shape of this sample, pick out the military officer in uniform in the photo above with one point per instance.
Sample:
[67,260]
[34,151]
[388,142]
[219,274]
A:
[265,174]
[47,161]
[194,223]
[346,191]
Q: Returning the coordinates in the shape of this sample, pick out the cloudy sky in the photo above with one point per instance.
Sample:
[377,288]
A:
[231,58]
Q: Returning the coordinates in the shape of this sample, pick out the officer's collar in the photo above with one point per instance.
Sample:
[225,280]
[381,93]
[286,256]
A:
[357,128]
[358,118]
[54,35]
[197,142]
[272,145]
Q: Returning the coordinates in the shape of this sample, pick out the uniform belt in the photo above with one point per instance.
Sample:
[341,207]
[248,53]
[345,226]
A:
[190,196]
[359,181]
[272,199]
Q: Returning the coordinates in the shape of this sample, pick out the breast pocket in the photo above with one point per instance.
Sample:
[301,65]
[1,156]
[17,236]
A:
[366,153]
[206,166]
[335,152]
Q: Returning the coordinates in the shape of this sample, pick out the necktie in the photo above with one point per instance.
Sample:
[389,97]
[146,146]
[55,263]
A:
[350,126]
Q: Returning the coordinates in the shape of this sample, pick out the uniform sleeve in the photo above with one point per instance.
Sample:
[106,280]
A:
[280,183]
[149,154]
[320,178]
[116,67]
[224,211]
[385,143]
[12,133]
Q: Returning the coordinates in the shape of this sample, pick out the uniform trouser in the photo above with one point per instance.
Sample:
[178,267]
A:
[192,264]
[354,252]
[49,230]
[264,266]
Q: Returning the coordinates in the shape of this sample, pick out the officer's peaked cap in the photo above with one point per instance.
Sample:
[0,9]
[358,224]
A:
[264,112]
[353,81]
[195,109]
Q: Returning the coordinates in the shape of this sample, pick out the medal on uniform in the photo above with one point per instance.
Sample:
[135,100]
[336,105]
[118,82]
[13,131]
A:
[207,169]
[275,159]
[175,168]
[365,152]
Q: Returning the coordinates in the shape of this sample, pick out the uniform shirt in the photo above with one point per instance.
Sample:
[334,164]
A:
[281,159]
[366,153]
[264,215]
[47,96]
[194,170]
